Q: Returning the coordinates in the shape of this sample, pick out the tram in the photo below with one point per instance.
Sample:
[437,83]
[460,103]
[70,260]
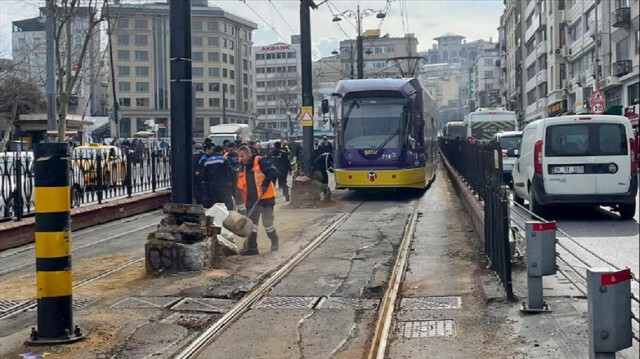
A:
[385,134]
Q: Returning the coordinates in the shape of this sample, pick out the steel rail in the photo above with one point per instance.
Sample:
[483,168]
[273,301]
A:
[33,303]
[387,306]
[249,299]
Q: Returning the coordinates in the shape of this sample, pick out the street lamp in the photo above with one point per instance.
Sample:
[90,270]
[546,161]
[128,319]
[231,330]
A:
[358,15]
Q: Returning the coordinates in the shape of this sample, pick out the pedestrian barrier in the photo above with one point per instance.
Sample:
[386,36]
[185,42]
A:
[94,177]
[541,261]
[480,166]
[54,278]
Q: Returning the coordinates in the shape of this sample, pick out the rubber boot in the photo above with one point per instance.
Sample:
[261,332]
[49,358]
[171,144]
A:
[274,240]
[285,191]
[252,245]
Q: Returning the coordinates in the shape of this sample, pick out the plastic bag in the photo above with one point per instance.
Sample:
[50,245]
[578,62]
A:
[219,213]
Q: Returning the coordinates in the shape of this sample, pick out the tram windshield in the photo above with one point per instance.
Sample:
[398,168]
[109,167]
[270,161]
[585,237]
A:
[372,122]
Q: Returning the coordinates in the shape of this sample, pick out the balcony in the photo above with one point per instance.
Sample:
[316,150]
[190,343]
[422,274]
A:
[541,48]
[621,68]
[541,77]
[621,17]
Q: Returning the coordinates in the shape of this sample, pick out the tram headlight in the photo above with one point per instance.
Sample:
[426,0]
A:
[394,155]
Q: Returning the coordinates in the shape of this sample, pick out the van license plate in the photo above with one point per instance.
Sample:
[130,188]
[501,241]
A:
[567,169]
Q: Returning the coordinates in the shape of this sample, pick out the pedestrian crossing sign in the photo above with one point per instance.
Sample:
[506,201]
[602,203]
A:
[306,116]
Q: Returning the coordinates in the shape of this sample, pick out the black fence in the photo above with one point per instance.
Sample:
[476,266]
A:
[480,164]
[94,176]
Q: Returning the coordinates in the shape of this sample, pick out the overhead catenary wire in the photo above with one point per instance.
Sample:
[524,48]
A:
[272,3]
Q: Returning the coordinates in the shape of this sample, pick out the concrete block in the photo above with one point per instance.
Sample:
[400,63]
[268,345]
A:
[169,256]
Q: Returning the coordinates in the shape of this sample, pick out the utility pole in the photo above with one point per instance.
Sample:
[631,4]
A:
[116,104]
[224,103]
[307,87]
[360,46]
[596,38]
[52,110]
[351,60]
[181,100]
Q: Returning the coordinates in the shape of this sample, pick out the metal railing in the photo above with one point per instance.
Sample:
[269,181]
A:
[93,178]
[478,164]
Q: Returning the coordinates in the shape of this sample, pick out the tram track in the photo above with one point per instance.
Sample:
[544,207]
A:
[386,309]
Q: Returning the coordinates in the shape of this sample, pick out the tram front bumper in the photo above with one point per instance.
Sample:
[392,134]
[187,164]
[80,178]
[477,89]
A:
[371,178]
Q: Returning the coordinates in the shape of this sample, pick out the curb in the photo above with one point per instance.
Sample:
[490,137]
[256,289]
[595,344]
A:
[15,234]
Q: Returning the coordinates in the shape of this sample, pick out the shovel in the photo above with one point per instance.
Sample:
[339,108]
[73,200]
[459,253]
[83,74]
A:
[238,224]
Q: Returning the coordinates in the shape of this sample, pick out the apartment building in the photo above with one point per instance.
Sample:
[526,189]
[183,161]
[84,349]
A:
[278,93]
[572,48]
[222,67]
[485,85]
[378,54]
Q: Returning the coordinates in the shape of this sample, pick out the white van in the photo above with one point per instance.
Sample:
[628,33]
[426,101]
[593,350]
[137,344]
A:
[580,159]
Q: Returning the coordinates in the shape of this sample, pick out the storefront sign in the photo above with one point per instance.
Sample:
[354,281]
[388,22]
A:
[557,108]
[276,47]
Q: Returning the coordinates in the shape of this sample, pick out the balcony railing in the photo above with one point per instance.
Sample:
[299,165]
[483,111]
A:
[621,68]
[621,17]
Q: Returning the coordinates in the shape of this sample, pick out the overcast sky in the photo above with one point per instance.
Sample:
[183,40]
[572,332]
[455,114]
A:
[278,19]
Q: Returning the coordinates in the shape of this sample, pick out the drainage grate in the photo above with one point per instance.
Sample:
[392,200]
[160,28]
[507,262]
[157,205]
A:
[207,305]
[8,305]
[347,303]
[79,303]
[421,303]
[146,302]
[427,328]
[286,303]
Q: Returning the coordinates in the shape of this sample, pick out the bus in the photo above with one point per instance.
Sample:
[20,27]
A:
[454,130]
[385,134]
[487,121]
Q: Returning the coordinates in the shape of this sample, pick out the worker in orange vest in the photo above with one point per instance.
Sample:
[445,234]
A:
[258,195]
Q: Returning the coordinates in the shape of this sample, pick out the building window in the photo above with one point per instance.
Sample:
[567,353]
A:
[245,65]
[124,70]
[140,24]
[125,127]
[196,40]
[196,56]
[488,74]
[213,41]
[124,86]
[198,86]
[245,79]
[232,104]
[212,25]
[292,69]
[531,97]
[142,55]
[142,87]
[123,23]
[124,102]
[196,25]
[198,127]
[232,74]
[614,96]
[224,58]
[142,40]
[141,123]
[259,56]
[123,39]
[633,94]
[199,102]
[123,55]
[531,71]
[214,102]
[214,72]
[213,57]
[232,59]
[142,102]
[214,87]
[622,49]
[260,84]
[197,71]
[142,70]
[224,73]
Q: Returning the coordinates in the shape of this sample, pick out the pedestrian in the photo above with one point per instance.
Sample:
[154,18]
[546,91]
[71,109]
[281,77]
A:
[164,146]
[321,165]
[218,180]
[232,155]
[197,156]
[256,183]
[280,159]
[325,146]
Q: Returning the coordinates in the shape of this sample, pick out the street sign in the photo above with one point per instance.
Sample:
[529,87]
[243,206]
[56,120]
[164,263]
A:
[597,102]
[306,116]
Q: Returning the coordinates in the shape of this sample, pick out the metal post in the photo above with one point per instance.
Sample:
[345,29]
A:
[596,38]
[351,67]
[53,247]
[154,158]
[541,261]
[52,111]
[99,177]
[129,175]
[360,47]
[307,90]
[224,103]
[181,100]
[116,104]
[17,200]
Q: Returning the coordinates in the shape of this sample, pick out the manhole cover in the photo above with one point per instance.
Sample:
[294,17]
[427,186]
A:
[431,303]
[207,305]
[347,303]
[287,303]
[427,328]
[79,303]
[8,305]
[186,319]
[146,302]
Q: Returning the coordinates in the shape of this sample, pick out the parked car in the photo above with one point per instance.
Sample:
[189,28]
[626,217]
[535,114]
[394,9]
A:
[510,145]
[580,159]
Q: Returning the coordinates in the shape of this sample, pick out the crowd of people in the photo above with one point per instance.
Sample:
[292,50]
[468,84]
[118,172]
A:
[242,175]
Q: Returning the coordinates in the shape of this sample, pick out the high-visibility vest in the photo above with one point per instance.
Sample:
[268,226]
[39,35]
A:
[258,177]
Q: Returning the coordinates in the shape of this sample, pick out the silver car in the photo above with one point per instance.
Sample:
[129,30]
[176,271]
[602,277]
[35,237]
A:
[510,145]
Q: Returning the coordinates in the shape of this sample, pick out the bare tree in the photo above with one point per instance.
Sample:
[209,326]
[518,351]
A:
[17,96]
[76,22]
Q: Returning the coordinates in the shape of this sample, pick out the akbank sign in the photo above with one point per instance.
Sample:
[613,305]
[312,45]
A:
[276,47]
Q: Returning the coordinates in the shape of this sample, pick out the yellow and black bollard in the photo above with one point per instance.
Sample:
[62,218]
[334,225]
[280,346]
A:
[54,278]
